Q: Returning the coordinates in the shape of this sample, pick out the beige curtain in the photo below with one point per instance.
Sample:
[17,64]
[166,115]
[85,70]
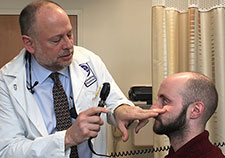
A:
[189,35]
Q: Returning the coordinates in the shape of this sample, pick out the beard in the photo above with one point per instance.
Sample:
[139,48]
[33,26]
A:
[172,125]
[53,64]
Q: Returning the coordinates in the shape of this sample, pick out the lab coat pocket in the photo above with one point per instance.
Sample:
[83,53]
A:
[89,97]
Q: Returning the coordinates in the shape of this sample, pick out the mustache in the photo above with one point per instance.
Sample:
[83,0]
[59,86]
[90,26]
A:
[66,52]
[158,118]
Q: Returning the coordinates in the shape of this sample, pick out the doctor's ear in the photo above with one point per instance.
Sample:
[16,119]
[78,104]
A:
[28,43]
[197,109]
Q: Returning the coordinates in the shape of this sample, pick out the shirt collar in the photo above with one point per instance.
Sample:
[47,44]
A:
[40,73]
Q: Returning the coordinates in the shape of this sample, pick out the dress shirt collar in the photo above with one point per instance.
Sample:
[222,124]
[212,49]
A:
[40,73]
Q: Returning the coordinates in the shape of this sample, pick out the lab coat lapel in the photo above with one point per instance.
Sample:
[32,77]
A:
[81,76]
[78,77]
[16,81]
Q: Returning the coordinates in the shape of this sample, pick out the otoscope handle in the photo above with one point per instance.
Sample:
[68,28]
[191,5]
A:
[103,95]
[105,91]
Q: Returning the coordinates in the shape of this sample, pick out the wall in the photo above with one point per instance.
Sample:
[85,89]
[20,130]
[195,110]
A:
[118,31]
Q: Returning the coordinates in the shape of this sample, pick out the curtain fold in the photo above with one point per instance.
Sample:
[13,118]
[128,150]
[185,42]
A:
[189,35]
[159,56]
[219,57]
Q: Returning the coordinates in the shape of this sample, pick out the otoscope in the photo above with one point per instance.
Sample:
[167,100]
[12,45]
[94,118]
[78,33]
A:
[103,95]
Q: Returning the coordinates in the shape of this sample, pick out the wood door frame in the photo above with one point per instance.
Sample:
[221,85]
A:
[76,12]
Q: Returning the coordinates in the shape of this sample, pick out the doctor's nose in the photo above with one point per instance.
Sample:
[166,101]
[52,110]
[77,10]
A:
[68,43]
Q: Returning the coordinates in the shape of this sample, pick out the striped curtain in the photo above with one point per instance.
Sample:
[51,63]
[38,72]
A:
[189,35]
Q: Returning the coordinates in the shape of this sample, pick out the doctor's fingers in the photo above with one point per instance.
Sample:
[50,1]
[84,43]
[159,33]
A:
[141,124]
[158,110]
[84,121]
[95,111]
[145,114]
[95,120]
[122,126]
[81,130]
[89,130]
[93,130]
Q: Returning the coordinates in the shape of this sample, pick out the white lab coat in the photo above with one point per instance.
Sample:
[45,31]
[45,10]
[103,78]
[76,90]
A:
[23,133]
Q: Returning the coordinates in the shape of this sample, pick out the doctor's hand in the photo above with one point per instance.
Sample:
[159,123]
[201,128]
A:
[125,115]
[87,125]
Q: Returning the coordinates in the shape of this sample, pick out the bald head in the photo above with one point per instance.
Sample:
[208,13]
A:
[28,16]
[197,87]
[48,16]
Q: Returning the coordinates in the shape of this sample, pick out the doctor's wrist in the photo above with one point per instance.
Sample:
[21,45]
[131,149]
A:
[69,142]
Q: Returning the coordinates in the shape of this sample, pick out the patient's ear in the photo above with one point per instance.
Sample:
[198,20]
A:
[197,109]
[28,43]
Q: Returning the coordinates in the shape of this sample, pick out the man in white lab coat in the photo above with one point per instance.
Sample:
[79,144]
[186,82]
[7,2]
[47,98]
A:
[27,118]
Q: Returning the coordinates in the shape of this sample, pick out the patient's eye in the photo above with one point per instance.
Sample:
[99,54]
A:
[165,101]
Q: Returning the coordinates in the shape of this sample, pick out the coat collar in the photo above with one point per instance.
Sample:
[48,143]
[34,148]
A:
[15,78]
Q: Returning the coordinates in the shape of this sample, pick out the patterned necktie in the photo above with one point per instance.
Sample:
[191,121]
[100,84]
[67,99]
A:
[63,119]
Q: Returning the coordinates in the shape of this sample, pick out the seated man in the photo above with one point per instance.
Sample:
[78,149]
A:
[190,100]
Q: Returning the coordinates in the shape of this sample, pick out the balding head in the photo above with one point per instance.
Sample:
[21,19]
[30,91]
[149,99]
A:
[27,17]
[198,87]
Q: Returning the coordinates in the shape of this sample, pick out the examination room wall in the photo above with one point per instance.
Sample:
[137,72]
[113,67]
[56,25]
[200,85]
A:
[119,31]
